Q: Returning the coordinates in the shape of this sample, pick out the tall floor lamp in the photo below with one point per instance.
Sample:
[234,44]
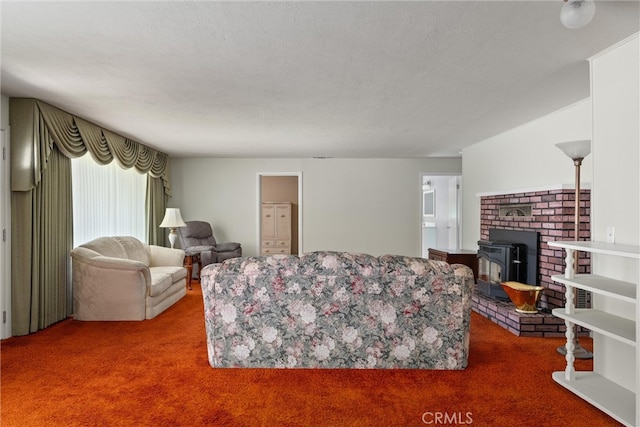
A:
[577,151]
[172,220]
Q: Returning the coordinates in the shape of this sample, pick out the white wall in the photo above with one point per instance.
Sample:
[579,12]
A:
[360,205]
[615,86]
[522,158]
[616,142]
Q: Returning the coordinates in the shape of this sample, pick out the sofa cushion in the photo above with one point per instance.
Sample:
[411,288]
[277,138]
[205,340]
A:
[398,265]
[106,246]
[339,263]
[134,249]
[285,265]
[163,277]
[176,272]
[124,247]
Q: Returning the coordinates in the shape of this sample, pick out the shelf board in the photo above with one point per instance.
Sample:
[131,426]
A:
[629,251]
[619,328]
[624,291]
[604,394]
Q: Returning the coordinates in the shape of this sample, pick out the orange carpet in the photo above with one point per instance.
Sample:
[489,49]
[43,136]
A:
[156,373]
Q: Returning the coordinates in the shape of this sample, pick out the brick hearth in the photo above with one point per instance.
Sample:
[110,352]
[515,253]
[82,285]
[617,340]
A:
[551,215]
[542,324]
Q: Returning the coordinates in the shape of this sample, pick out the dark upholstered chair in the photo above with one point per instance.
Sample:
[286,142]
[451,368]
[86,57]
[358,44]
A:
[197,236]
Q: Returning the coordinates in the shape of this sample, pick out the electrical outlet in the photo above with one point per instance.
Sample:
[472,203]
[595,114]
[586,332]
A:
[611,234]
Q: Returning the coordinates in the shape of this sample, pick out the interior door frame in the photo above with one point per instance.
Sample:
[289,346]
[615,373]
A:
[459,203]
[259,175]
[5,239]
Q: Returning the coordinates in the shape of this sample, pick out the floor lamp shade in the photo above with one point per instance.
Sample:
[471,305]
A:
[576,151]
[172,220]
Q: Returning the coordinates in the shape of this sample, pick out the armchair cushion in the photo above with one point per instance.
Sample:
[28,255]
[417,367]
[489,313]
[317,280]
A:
[197,233]
[197,237]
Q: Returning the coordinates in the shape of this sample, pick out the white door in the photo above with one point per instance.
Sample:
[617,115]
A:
[440,207]
[453,214]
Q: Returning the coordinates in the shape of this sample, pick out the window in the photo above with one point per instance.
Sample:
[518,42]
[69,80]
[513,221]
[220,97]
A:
[107,200]
[429,203]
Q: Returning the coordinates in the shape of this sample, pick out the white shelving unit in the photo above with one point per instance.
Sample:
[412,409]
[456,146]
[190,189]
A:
[606,395]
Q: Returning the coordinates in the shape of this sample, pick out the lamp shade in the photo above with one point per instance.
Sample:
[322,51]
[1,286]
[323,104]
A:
[575,149]
[172,219]
[577,13]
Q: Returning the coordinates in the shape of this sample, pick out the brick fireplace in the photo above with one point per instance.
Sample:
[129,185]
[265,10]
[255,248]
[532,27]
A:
[550,212]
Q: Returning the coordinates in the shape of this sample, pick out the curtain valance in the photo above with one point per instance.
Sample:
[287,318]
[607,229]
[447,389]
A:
[36,125]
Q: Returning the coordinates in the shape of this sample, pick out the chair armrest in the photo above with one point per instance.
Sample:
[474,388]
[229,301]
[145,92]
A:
[160,256]
[227,247]
[198,249]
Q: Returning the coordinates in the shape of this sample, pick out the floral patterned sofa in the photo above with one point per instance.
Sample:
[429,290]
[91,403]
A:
[337,310]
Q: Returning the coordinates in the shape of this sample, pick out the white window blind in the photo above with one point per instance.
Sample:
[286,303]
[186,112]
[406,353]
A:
[107,200]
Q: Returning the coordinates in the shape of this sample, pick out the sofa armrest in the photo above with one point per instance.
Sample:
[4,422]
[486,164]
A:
[108,288]
[93,259]
[160,256]
[465,274]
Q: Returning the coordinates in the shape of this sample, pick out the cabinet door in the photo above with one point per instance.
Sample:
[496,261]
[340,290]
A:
[268,221]
[283,221]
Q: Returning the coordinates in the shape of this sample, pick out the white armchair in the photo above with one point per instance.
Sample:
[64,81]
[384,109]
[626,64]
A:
[121,278]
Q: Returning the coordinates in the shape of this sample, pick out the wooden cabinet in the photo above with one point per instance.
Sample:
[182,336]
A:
[592,386]
[456,256]
[275,228]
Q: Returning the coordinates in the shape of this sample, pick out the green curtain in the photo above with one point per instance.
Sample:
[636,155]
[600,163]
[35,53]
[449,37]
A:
[43,231]
[43,139]
[155,205]
[74,137]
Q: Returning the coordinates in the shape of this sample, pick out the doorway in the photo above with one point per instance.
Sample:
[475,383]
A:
[441,201]
[284,188]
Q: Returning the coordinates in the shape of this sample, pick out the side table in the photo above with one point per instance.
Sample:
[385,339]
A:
[191,258]
[456,256]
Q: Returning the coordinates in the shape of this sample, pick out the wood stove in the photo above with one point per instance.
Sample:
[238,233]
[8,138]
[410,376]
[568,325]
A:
[508,255]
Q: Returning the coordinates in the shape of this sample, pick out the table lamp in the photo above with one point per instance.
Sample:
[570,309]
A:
[172,220]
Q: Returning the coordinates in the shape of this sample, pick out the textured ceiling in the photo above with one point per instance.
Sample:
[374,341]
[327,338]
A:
[304,79]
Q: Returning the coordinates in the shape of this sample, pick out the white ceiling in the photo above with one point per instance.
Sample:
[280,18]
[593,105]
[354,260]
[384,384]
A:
[305,79]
